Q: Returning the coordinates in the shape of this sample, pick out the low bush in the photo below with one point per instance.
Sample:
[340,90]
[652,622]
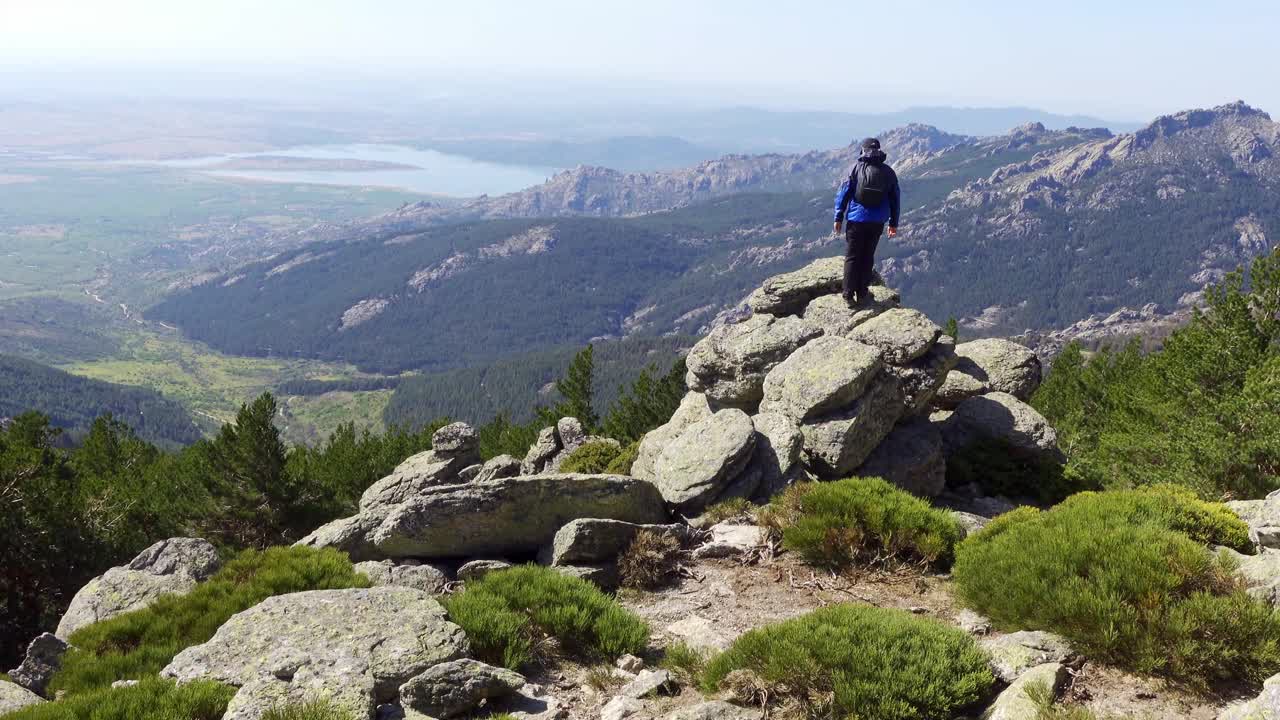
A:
[622,462]
[592,458]
[511,615]
[856,661]
[685,663]
[863,521]
[1124,576]
[151,699]
[137,645]
[649,561]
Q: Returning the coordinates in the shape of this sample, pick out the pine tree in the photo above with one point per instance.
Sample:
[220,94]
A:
[576,391]
[253,490]
[649,403]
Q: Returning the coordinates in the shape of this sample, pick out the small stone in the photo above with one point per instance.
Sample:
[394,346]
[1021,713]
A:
[648,682]
[453,688]
[918,610]
[427,578]
[455,439]
[476,569]
[972,623]
[630,663]
[124,683]
[621,707]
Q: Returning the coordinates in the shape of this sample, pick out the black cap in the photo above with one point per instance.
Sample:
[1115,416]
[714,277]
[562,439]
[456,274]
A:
[871,144]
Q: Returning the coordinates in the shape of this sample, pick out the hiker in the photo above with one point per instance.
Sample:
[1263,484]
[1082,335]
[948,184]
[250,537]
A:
[865,202]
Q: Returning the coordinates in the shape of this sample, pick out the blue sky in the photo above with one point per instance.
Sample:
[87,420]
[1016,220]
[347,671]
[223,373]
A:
[1119,59]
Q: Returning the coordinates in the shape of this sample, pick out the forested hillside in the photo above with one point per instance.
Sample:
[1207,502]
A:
[1035,229]
[72,403]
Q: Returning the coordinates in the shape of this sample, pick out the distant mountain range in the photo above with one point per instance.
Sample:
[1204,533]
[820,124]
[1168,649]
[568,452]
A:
[1035,229]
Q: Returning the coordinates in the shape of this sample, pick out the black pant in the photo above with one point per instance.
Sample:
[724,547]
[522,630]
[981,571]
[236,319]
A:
[860,239]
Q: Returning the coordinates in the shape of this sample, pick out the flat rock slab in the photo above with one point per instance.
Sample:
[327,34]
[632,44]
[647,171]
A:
[715,710]
[424,470]
[512,516]
[357,645]
[169,567]
[991,365]
[476,569]
[593,540]
[729,365]
[789,293]
[824,375]
[695,467]
[1015,653]
[901,334]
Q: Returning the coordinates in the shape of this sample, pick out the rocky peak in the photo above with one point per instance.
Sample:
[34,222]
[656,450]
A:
[1223,117]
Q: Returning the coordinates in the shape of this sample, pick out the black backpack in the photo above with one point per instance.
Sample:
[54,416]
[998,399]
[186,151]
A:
[873,183]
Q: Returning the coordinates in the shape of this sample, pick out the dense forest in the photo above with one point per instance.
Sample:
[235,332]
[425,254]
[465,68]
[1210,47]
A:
[72,403]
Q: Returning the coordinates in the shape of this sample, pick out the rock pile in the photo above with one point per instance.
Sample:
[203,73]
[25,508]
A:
[556,443]
[808,386]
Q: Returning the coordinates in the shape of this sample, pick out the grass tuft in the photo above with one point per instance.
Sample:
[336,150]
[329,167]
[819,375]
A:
[313,710]
[137,645]
[151,699]
[1125,577]
[649,561]
[863,521]
[856,661]
[510,614]
[731,509]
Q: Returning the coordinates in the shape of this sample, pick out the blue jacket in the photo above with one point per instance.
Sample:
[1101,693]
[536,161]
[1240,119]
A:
[850,210]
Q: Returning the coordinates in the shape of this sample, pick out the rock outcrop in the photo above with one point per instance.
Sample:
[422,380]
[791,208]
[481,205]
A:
[832,390]
[43,658]
[355,647]
[169,567]
[556,443]
[410,574]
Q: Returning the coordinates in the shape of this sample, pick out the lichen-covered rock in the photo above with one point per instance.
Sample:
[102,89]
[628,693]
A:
[513,516]
[911,457]
[826,374]
[424,470]
[593,540]
[169,567]
[1015,704]
[542,451]
[693,408]
[695,467]
[476,569]
[729,365]
[775,460]
[356,647]
[1264,707]
[1015,653]
[1261,573]
[603,575]
[901,334]
[497,468]
[1001,416]
[834,315]
[350,535]
[456,440]
[789,293]
[455,687]
[921,378]
[990,365]
[1262,517]
[837,444]
[15,697]
[427,578]
[43,658]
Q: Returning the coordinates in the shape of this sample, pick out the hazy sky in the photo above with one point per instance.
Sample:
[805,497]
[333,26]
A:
[1122,59]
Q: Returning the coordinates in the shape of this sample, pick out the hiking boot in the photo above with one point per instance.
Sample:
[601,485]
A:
[850,300]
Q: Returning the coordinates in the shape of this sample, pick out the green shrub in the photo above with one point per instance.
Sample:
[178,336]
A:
[509,615]
[1119,575]
[622,462]
[592,458]
[855,661]
[860,520]
[137,645]
[685,662]
[151,699]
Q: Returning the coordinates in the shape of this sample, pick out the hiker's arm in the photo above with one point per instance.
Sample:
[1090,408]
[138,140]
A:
[895,206]
[842,201]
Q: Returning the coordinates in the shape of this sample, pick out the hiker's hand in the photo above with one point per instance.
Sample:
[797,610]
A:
[837,228]
[893,232]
